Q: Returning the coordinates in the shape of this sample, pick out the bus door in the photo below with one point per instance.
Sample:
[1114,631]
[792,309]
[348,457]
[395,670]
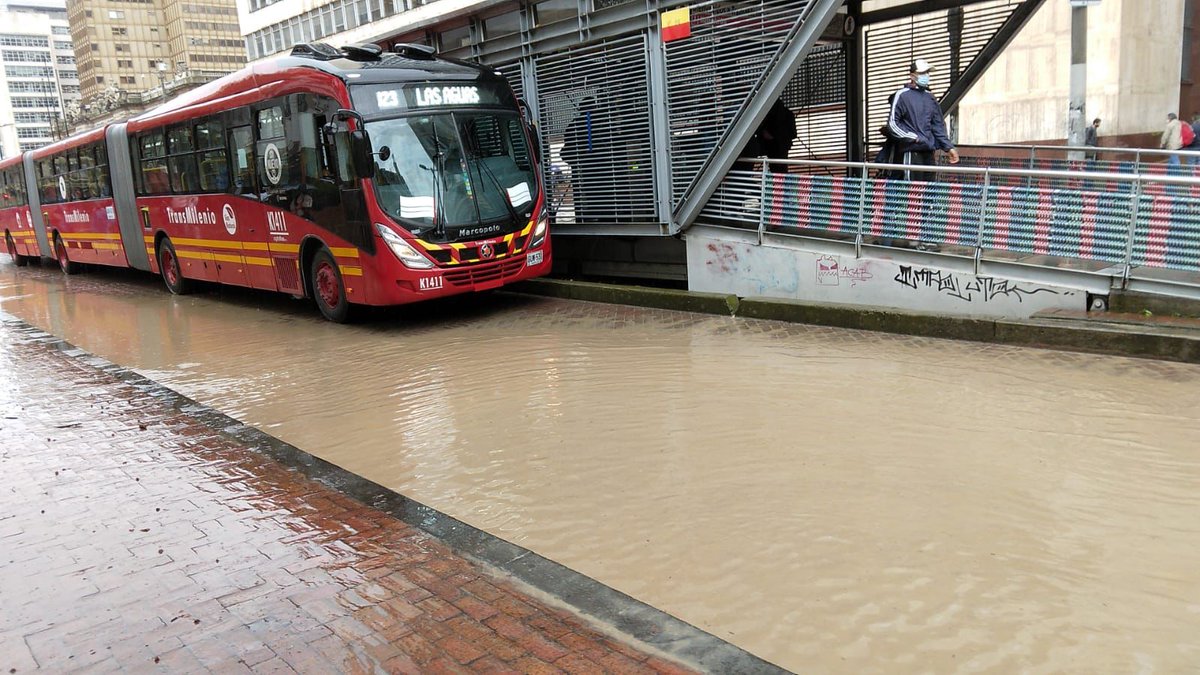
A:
[251,224]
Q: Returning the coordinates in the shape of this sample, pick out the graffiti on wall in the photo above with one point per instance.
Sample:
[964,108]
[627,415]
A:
[831,272]
[986,289]
[722,256]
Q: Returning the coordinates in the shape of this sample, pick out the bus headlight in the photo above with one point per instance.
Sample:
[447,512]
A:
[403,250]
[539,231]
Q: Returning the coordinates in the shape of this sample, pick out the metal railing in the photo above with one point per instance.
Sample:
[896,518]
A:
[1139,230]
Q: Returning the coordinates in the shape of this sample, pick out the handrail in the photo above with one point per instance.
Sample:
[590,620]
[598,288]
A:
[1084,148]
[1121,234]
[995,171]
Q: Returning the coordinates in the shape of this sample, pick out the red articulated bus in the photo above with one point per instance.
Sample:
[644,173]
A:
[350,176]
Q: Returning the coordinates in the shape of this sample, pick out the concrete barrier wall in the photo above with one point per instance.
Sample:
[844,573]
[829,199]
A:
[732,267]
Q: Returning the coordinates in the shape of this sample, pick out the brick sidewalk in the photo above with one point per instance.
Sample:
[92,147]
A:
[135,537]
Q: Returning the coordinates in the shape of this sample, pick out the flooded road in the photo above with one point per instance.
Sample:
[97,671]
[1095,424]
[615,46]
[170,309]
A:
[829,500]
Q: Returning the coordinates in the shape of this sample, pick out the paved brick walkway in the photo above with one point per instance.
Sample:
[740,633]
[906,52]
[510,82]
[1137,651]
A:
[133,536]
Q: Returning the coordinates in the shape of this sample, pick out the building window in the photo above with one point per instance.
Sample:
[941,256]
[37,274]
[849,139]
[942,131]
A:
[553,11]
[454,38]
[120,30]
[124,63]
[128,79]
[504,24]
[114,14]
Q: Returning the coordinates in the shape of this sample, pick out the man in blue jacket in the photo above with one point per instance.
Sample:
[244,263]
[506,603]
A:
[916,125]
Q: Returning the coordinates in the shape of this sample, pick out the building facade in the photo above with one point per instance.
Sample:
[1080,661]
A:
[39,87]
[135,52]
[1141,62]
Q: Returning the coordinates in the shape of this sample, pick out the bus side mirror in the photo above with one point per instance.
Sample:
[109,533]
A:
[360,154]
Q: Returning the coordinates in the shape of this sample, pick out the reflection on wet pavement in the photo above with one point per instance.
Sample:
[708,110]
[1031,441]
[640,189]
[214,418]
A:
[137,537]
[824,498]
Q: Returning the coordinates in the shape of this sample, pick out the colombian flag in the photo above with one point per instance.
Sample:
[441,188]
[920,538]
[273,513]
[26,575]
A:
[676,24]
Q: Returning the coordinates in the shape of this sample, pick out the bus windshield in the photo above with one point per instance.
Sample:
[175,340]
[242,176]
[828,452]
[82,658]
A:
[455,175]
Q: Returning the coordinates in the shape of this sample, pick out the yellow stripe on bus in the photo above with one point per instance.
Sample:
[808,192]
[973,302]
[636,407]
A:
[351,271]
[89,235]
[284,248]
[106,247]
[343,252]
[194,255]
[209,243]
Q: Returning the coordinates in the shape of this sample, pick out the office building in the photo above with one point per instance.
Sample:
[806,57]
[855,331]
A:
[39,88]
[133,53]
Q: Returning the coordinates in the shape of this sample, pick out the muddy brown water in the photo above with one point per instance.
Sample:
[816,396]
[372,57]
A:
[829,500]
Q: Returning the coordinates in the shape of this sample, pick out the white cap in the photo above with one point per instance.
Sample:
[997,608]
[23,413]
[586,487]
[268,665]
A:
[920,66]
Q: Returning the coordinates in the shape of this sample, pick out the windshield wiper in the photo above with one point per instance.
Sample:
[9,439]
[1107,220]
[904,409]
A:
[512,213]
[439,208]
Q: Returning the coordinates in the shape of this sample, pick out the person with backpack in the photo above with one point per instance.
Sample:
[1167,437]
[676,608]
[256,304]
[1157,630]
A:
[1173,138]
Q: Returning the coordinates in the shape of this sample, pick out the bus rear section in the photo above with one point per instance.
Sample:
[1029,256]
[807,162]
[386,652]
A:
[75,202]
[16,225]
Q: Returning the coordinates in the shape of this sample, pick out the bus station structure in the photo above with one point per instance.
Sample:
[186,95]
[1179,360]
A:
[668,94]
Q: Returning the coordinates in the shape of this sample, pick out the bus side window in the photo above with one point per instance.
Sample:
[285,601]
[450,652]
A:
[185,175]
[154,164]
[272,155]
[241,156]
[210,146]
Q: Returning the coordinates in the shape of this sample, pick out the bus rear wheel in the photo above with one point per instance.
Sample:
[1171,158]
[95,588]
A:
[168,265]
[60,254]
[18,259]
[329,291]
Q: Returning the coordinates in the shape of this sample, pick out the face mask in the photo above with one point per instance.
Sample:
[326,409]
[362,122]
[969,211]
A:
[923,80]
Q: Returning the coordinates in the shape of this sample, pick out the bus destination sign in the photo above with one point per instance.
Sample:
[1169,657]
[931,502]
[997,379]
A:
[384,98]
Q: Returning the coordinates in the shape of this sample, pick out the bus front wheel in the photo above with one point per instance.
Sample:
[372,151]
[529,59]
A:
[168,265]
[60,254]
[329,291]
[18,259]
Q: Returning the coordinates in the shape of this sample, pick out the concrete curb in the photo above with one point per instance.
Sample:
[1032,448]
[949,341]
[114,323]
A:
[640,296]
[621,613]
[1152,342]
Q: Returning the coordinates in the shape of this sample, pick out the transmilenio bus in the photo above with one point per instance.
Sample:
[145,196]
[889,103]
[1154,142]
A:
[351,176]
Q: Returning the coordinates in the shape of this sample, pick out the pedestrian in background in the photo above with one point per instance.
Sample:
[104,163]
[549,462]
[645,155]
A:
[776,134]
[1091,138]
[581,152]
[1172,138]
[916,125]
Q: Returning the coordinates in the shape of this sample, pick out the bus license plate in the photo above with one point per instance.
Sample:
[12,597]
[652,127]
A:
[534,258]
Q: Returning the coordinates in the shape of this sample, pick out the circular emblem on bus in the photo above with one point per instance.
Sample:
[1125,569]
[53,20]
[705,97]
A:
[230,219]
[486,251]
[62,187]
[273,163]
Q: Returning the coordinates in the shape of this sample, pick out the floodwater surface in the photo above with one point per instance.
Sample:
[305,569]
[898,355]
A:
[830,500]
